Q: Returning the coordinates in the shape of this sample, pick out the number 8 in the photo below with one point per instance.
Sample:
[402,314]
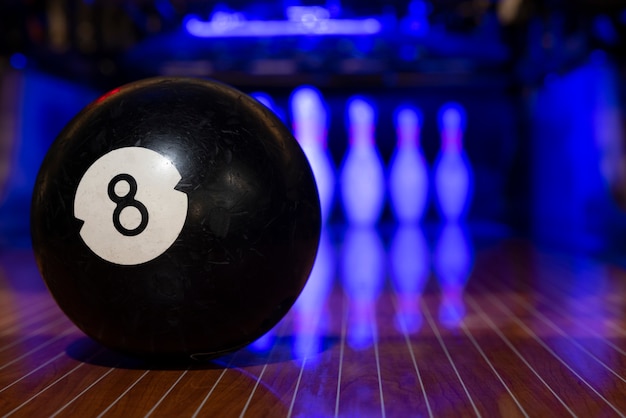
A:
[126,201]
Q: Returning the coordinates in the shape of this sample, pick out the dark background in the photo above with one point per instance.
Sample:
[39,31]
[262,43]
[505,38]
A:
[541,82]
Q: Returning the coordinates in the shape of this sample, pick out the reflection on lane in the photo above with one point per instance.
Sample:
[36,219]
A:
[356,263]
[452,264]
[581,312]
[409,260]
[362,276]
[310,316]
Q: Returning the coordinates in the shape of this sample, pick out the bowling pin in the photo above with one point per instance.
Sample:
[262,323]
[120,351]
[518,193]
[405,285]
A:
[452,170]
[362,178]
[267,100]
[310,123]
[408,176]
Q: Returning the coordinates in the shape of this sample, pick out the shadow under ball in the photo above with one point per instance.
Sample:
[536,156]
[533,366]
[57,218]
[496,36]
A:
[175,217]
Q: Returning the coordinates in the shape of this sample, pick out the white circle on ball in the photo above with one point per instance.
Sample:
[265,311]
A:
[130,218]
[165,207]
[122,188]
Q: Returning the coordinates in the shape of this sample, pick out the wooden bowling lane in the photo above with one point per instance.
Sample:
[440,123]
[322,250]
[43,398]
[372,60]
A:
[527,333]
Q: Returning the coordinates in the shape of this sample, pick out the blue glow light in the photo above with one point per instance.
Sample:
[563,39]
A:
[408,176]
[46,104]
[268,102]
[164,7]
[408,52]
[416,23]
[264,343]
[362,178]
[264,99]
[578,158]
[18,61]
[313,20]
[309,15]
[604,29]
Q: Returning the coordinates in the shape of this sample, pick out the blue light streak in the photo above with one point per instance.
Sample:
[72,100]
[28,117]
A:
[303,21]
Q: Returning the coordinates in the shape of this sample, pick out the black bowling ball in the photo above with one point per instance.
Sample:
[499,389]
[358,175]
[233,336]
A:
[175,217]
